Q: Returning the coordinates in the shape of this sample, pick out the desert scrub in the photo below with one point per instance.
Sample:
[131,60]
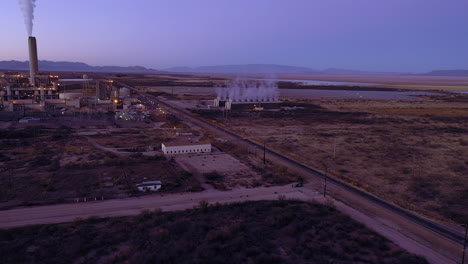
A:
[252,232]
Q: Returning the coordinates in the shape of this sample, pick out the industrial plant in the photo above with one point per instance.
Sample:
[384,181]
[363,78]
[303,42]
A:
[43,91]
[34,91]
[242,92]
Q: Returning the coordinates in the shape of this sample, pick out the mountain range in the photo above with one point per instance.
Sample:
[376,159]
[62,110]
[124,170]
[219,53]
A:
[72,66]
[448,73]
[272,68]
[245,68]
[220,69]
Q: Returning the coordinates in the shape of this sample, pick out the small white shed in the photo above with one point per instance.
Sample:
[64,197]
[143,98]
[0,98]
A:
[149,186]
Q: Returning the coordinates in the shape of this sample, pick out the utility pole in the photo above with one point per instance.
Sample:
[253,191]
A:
[464,243]
[325,182]
[334,147]
[264,151]
[10,191]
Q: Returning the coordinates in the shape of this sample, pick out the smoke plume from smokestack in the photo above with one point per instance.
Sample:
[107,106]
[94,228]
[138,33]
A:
[27,6]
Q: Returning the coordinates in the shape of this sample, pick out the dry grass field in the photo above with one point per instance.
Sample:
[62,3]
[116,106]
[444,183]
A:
[42,166]
[410,152]
[413,153]
[169,80]
[130,139]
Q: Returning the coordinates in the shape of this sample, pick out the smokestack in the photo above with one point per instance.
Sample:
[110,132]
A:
[33,62]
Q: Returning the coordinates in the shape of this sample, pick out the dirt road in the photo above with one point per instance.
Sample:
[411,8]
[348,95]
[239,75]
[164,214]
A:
[173,202]
[132,206]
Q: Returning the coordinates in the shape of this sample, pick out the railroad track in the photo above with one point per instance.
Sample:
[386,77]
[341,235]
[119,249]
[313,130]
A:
[419,220]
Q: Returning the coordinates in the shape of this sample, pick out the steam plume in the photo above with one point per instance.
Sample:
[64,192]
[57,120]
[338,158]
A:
[27,6]
[243,90]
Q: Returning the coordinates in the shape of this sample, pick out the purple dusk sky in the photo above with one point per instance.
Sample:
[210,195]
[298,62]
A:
[378,35]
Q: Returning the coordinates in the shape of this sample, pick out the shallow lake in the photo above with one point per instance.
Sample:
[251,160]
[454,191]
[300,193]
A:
[316,82]
[347,94]
[311,93]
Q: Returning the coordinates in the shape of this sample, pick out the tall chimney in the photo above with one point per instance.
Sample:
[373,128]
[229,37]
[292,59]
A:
[33,62]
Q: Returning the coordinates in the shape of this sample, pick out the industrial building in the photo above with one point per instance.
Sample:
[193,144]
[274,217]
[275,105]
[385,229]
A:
[243,106]
[19,91]
[185,147]
[240,94]
[39,91]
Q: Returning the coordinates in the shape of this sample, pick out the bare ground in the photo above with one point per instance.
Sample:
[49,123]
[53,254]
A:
[232,172]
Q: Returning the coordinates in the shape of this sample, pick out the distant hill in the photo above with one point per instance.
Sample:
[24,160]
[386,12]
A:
[245,68]
[45,65]
[72,66]
[448,73]
[273,68]
[335,71]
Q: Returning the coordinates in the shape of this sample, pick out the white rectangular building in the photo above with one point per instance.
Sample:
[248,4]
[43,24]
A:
[185,147]
[149,186]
